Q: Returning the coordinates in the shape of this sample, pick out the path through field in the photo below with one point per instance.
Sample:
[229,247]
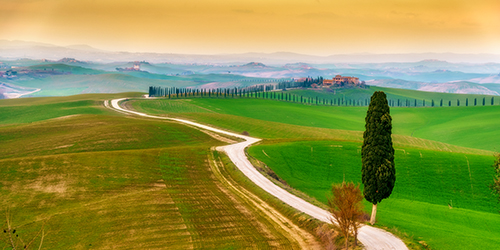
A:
[370,237]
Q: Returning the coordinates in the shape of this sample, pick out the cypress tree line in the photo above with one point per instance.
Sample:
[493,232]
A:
[377,153]
[262,91]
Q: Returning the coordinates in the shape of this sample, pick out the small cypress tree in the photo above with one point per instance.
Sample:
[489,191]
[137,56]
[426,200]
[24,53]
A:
[377,154]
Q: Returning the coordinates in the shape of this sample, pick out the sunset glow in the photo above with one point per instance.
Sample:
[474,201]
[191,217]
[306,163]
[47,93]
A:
[317,27]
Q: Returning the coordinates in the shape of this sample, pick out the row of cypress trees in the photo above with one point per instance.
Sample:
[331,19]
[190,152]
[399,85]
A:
[407,103]
[266,92]
[261,91]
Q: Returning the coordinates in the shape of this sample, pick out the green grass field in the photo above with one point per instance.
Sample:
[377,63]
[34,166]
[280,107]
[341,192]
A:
[100,179]
[428,183]
[443,160]
[97,179]
[473,127]
[401,94]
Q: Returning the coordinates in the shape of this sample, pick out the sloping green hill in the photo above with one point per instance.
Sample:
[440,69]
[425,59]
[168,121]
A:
[395,94]
[63,85]
[441,198]
[65,68]
[441,195]
[451,125]
[93,178]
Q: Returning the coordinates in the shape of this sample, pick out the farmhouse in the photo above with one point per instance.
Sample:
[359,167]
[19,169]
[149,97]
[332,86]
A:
[339,80]
[136,67]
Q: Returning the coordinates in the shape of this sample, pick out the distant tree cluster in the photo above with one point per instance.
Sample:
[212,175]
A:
[307,82]
[346,84]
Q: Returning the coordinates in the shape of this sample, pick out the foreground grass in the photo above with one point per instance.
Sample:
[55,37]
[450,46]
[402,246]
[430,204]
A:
[441,198]
[159,198]
[107,181]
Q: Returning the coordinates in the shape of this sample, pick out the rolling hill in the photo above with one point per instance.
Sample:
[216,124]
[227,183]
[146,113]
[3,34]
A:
[442,158]
[93,178]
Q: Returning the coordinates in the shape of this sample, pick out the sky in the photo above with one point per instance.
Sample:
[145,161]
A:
[314,27]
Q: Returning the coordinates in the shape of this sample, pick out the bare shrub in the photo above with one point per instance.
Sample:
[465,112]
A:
[328,236]
[13,239]
[245,133]
[347,210]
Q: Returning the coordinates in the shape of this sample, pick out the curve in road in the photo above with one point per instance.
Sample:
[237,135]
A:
[372,238]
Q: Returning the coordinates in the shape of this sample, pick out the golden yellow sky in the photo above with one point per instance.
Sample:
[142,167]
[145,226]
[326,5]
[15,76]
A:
[317,27]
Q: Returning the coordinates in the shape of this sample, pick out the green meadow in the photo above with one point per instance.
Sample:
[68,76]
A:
[402,95]
[472,127]
[443,158]
[93,178]
[441,198]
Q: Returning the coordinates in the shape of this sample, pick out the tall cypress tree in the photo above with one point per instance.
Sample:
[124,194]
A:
[377,153]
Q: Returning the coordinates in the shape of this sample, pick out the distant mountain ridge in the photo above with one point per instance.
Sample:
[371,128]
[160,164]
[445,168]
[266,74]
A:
[34,50]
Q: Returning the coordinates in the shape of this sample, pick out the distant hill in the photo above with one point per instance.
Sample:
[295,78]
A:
[488,79]
[48,74]
[299,65]
[459,87]
[8,91]
[32,50]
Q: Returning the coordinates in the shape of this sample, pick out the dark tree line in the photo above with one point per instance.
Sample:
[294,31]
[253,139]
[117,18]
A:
[261,91]
[307,83]
[270,92]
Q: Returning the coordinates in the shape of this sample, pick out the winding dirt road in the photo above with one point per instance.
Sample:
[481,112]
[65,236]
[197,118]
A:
[370,237]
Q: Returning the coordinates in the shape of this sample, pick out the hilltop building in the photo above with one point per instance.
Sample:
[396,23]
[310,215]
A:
[136,67]
[339,80]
